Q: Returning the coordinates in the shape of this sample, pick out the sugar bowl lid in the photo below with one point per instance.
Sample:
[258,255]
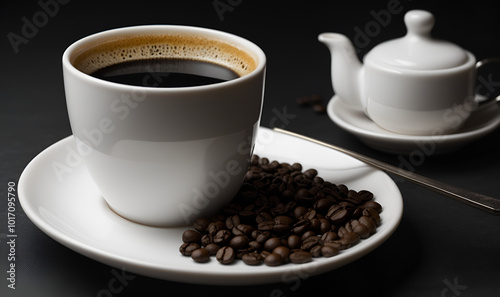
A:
[418,50]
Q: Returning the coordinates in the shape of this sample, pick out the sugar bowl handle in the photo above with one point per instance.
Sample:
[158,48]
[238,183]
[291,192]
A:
[479,65]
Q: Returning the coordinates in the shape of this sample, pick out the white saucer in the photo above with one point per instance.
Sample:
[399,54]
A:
[73,213]
[482,121]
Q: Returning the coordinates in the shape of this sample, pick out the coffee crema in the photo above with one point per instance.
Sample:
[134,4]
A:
[180,47]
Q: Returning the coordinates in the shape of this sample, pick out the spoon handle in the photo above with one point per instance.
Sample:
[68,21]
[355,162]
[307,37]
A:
[486,203]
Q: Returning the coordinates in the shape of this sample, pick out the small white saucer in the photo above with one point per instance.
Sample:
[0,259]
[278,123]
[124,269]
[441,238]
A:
[72,211]
[482,121]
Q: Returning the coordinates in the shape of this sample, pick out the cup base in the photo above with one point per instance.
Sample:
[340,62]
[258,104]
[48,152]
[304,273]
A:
[140,222]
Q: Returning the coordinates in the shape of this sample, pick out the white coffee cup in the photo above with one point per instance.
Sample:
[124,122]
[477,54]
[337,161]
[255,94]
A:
[164,156]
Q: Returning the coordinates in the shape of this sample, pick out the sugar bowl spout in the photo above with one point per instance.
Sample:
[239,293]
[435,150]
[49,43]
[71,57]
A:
[347,70]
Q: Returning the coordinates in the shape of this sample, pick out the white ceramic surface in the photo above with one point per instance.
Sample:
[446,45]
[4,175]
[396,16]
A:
[158,154]
[413,85]
[482,122]
[74,213]
[418,50]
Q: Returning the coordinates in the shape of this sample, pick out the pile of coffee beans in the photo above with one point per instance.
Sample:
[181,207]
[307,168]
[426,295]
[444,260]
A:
[283,214]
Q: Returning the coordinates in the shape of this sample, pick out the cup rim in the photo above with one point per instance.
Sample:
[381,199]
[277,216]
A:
[234,40]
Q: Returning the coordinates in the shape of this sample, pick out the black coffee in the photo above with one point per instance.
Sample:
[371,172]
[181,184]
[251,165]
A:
[165,73]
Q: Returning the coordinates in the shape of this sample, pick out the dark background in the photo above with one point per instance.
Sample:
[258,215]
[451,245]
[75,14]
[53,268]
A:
[441,248]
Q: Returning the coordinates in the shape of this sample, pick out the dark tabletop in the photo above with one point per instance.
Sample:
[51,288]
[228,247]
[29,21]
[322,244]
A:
[441,248]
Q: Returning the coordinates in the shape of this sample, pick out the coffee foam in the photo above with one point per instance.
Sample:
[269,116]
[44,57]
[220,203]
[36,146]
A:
[193,47]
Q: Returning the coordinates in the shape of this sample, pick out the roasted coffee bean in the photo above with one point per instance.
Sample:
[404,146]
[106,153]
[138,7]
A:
[191,236]
[344,190]
[322,205]
[358,212]
[318,180]
[299,211]
[309,242]
[300,257]
[358,228]
[315,224]
[301,227]
[294,241]
[239,242]
[252,259]
[200,255]
[328,251]
[310,173]
[187,248]
[352,237]
[283,251]
[307,234]
[308,100]
[243,229]
[206,239]
[302,192]
[225,255]
[281,230]
[297,167]
[373,214]
[373,205]
[368,222]
[232,221]
[342,231]
[241,252]
[338,244]
[316,191]
[212,248]
[344,243]
[316,251]
[279,209]
[201,224]
[329,236]
[309,215]
[324,226]
[215,227]
[261,236]
[287,193]
[263,161]
[222,237]
[273,260]
[255,245]
[349,226]
[263,216]
[347,205]
[332,210]
[272,243]
[366,195]
[247,216]
[354,197]
[319,108]
[283,220]
[362,231]
[266,226]
[337,214]
[264,254]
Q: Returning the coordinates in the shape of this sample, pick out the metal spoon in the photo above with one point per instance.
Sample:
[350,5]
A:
[486,203]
